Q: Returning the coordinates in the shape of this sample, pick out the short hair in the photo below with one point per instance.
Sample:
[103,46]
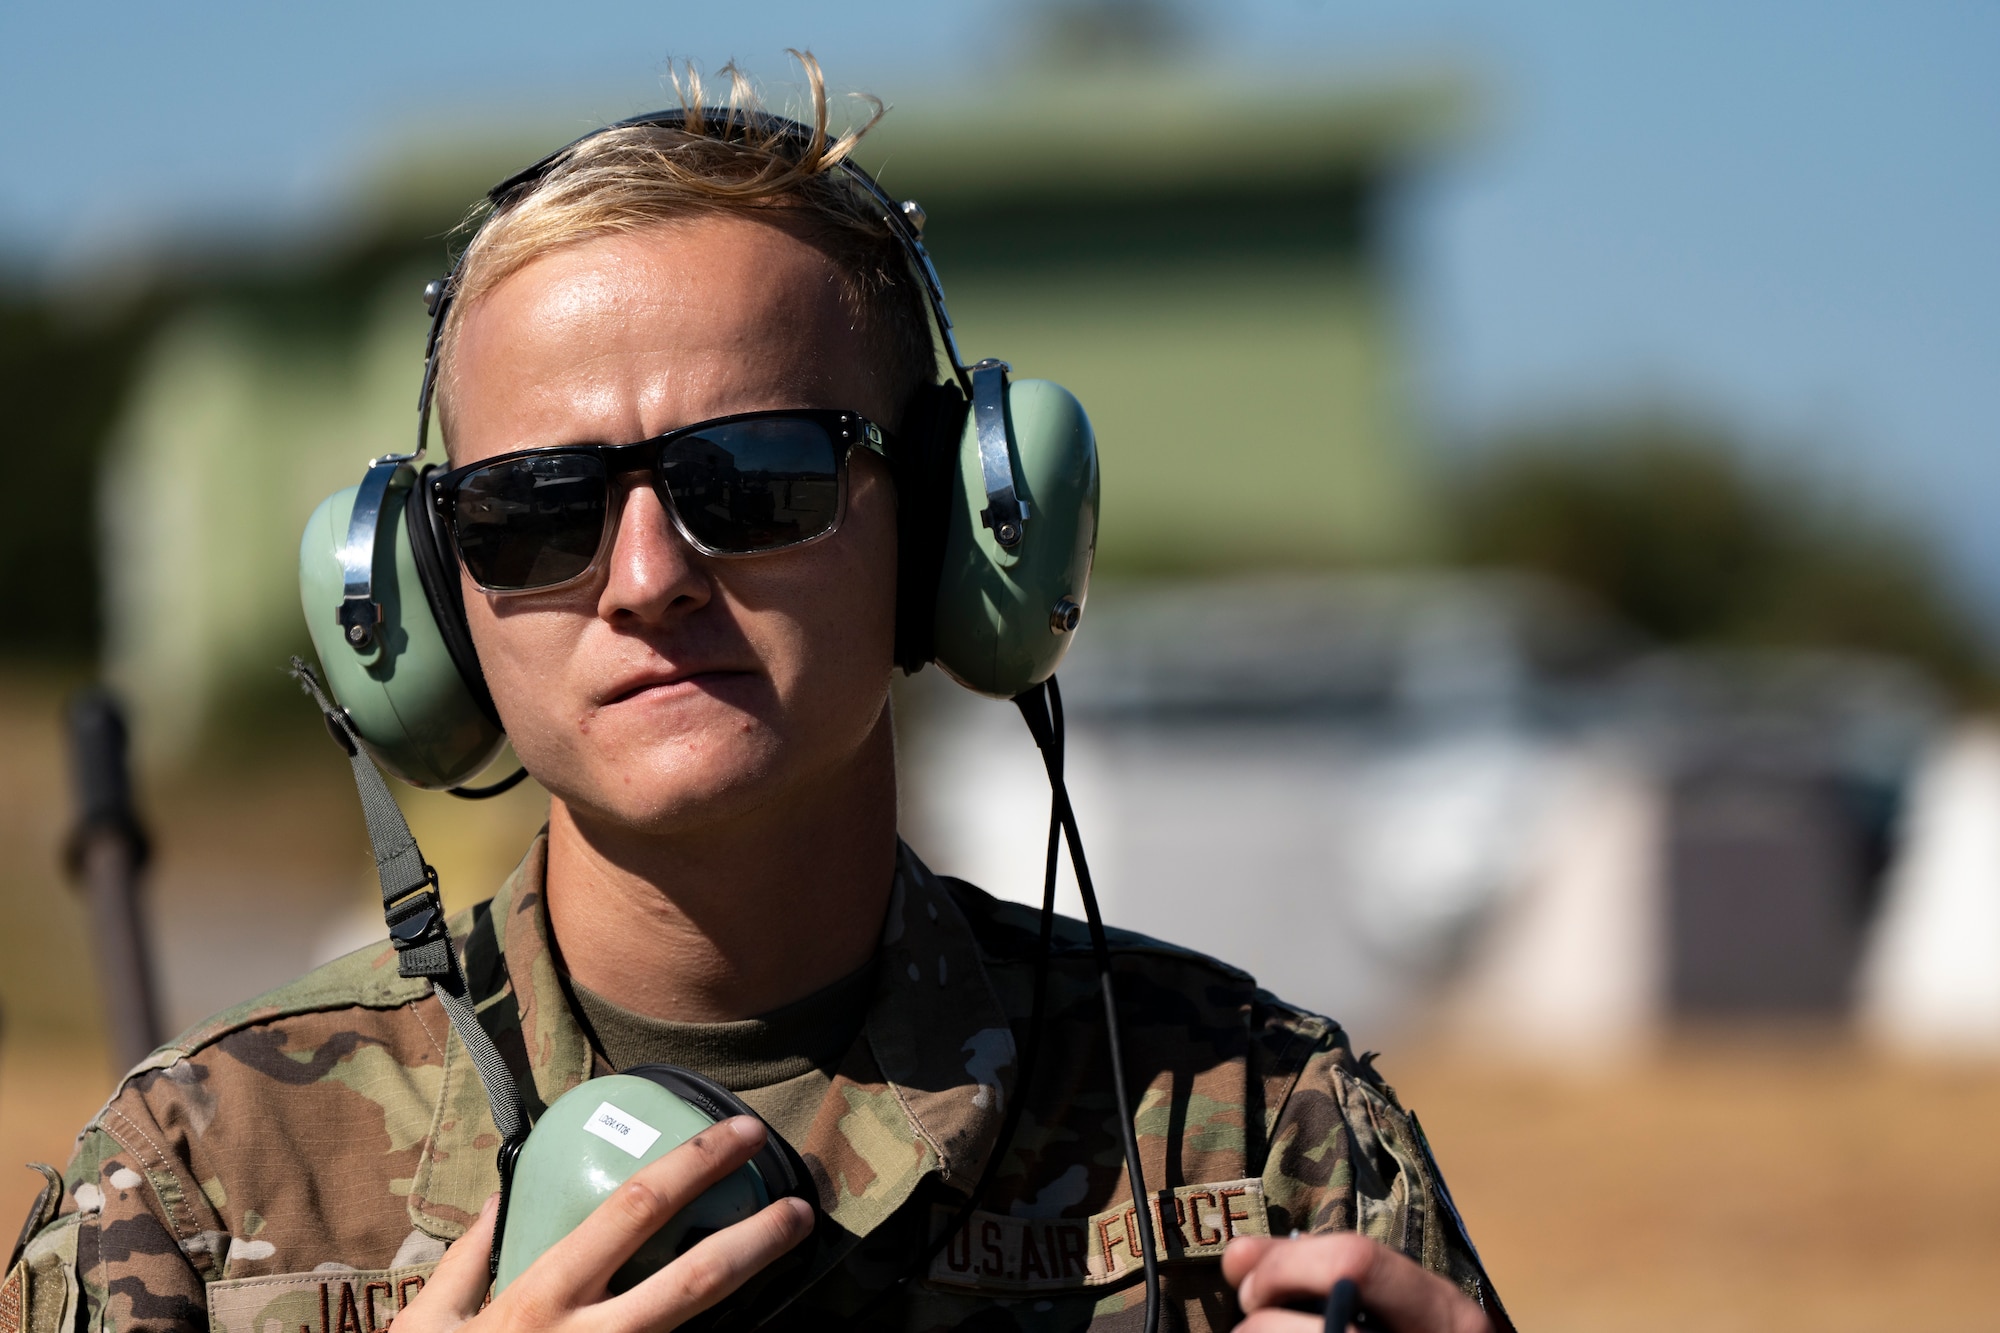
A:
[730,161]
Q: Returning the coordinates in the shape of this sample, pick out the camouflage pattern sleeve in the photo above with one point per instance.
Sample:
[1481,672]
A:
[1346,1156]
[127,1250]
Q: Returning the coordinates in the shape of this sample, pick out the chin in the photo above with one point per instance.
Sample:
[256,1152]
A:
[678,787]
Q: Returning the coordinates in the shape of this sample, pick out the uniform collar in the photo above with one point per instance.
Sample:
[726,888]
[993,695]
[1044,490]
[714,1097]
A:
[921,1091]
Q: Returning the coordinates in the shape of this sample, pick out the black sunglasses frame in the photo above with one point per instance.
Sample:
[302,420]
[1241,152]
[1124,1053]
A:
[849,429]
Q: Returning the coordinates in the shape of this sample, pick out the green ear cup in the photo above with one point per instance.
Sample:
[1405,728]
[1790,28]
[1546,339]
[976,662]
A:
[407,697]
[594,1139]
[1005,618]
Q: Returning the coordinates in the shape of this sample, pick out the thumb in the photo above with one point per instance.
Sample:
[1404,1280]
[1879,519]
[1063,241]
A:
[457,1287]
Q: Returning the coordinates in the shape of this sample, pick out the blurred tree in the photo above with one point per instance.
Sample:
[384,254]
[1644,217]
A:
[1091,34]
[61,378]
[67,365]
[1671,526]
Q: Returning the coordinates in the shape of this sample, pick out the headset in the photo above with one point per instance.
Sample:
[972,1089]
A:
[997,499]
[996,516]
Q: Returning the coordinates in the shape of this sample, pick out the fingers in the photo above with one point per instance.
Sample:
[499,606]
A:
[1274,1273]
[1242,1254]
[457,1286]
[1398,1292]
[577,1267]
[713,1269]
[1283,1270]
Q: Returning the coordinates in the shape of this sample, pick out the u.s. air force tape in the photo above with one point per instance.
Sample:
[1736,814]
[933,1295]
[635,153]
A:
[993,1252]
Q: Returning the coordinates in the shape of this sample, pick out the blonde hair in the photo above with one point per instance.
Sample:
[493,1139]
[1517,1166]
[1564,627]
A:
[731,159]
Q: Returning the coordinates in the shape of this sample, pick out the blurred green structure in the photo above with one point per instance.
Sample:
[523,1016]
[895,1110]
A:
[1210,273]
[1214,281]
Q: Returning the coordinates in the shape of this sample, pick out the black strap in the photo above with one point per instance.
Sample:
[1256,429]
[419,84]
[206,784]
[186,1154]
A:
[415,916]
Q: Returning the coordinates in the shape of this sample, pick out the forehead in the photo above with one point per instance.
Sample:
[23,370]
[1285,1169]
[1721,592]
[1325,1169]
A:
[624,336]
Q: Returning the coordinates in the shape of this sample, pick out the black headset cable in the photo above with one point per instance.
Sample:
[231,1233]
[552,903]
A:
[1042,708]
[506,784]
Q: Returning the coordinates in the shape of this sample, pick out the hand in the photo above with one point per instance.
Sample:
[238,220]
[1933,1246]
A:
[1269,1272]
[565,1289]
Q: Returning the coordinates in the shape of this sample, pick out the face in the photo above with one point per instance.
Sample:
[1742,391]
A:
[670,689]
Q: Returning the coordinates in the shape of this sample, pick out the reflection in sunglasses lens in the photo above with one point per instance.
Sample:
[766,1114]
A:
[755,485]
[532,522]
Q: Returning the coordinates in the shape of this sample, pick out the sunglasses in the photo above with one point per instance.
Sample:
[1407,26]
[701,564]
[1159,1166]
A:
[739,485]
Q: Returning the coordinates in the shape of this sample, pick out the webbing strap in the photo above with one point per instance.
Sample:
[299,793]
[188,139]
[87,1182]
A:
[416,920]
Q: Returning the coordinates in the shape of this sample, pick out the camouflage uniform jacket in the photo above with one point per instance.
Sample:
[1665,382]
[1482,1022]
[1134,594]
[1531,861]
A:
[298,1163]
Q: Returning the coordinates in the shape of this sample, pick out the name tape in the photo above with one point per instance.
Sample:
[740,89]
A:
[344,1301]
[993,1252]
[622,1129]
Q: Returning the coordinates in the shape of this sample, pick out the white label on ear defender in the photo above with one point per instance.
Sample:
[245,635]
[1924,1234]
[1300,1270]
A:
[622,1128]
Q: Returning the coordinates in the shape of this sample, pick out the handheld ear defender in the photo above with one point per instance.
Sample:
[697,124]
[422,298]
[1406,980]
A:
[996,539]
[600,1133]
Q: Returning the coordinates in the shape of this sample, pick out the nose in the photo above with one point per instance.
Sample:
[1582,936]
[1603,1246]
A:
[653,574]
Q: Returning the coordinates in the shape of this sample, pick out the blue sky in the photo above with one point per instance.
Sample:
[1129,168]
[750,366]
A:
[1787,215]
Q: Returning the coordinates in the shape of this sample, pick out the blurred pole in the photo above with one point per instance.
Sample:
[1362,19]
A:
[107,853]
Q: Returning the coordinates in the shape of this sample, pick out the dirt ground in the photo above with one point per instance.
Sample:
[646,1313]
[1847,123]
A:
[1774,1183]
[1756,1185]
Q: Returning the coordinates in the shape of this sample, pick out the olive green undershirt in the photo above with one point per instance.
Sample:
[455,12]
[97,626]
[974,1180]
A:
[780,1063]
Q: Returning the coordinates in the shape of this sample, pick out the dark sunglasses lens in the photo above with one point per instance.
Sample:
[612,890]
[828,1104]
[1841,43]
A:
[532,522]
[755,485]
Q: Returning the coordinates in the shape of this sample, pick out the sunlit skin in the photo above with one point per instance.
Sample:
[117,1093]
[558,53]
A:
[714,733]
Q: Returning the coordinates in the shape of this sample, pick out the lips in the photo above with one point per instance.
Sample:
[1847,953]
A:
[631,687]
